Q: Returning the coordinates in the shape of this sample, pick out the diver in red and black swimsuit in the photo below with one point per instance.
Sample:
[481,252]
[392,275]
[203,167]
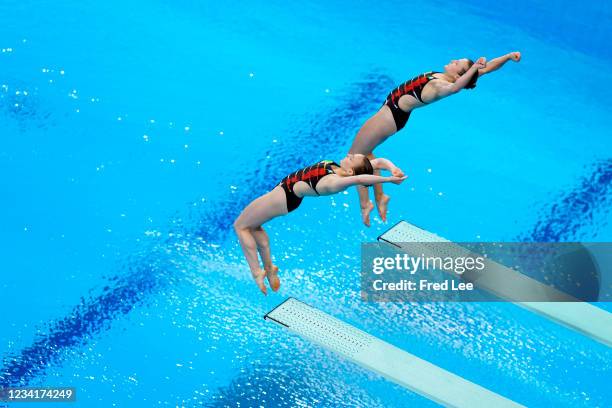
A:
[413,94]
[322,178]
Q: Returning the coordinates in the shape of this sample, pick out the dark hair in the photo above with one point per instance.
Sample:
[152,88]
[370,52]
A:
[472,83]
[365,167]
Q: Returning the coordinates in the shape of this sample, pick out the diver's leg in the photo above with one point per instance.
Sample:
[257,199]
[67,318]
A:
[373,132]
[249,248]
[263,246]
[261,210]
[365,204]
[382,200]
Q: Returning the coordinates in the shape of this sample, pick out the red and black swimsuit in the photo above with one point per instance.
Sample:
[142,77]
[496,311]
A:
[311,175]
[413,87]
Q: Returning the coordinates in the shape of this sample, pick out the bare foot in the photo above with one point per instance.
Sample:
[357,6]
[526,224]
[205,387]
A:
[382,204]
[365,213]
[259,280]
[272,275]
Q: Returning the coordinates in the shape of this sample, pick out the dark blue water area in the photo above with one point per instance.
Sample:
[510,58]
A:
[579,213]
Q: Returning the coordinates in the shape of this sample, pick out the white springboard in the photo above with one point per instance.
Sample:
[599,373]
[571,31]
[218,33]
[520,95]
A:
[582,317]
[393,363]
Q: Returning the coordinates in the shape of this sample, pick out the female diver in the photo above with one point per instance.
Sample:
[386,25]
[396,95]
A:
[415,93]
[323,178]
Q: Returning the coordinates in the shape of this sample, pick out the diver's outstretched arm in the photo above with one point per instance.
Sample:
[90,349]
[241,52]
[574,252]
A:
[332,185]
[497,63]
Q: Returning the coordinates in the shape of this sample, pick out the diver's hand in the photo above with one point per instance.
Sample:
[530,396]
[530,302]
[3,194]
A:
[397,180]
[515,56]
[397,172]
[480,63]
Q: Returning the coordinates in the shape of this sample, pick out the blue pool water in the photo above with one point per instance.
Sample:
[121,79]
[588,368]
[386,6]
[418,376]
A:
[134,133]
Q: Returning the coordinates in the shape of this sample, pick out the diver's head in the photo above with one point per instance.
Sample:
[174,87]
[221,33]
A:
[456,68]
[355,164]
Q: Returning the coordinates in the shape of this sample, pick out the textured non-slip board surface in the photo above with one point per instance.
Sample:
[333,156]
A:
[379,356]
[506,283]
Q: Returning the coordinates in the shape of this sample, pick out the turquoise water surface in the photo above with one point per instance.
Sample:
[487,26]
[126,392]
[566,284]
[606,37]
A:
[134,133]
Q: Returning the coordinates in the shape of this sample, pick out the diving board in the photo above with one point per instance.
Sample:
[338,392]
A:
[372,353]
[562,308]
